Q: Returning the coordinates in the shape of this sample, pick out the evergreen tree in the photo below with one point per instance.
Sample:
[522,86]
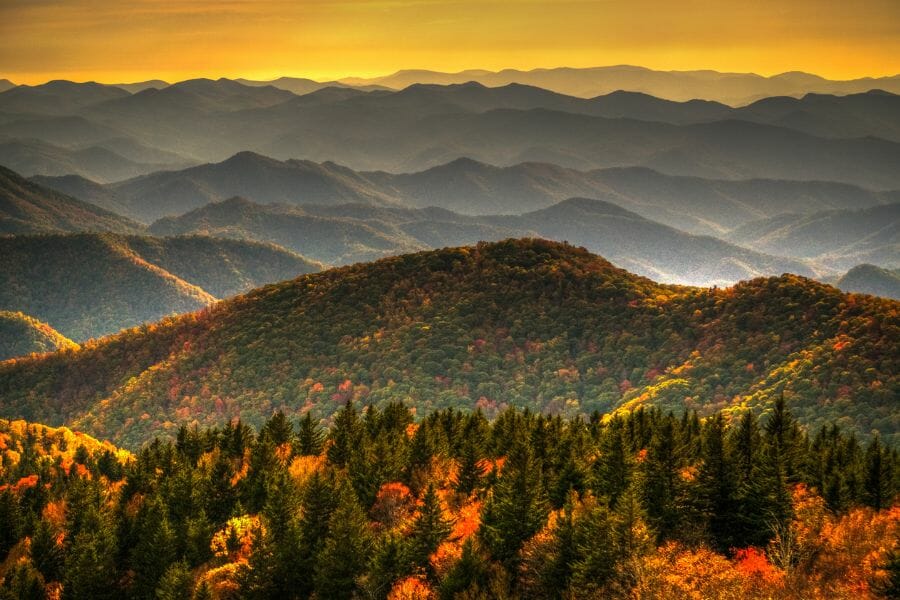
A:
[878,476]
[597,548]
[90,566]
[176,583]
[318,502]
[661,480]
[611,470]
[46,554]
[22,582]
[750,526]
[343,557]
[516,509]
[154,549]
[310,437]
[429,529]
[345,436]
[11,521]
[716,493]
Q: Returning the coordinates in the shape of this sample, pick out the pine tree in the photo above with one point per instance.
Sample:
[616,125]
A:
[469,572]
[516,509]
[429,529]
[90,567]
[878,476]
[752,506]
[343,557]
[310,437]
[318,502]
[345,436]
[176,583]
[597,548]
[23,582]
[661,481]
[11,521]
[715,486]
[154,549]
[611,470]
[46,554]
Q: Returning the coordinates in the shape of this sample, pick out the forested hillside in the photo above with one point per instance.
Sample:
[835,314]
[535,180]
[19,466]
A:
[21,335]
[643,505]
[525,323]
[88,285]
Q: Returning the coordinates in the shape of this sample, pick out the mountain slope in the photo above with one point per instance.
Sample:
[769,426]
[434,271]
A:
[57,97]
[89,285]
[526,323]
[21,335]
[836,237]
[869,279]
[26,207]
[350,233]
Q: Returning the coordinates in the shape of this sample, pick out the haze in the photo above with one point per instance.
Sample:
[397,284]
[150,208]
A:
[324,39]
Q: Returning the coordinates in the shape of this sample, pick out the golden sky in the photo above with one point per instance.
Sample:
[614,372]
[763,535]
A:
[132,40]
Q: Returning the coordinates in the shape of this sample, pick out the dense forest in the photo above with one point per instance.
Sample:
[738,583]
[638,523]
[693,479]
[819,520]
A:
[640,505]
[521,323]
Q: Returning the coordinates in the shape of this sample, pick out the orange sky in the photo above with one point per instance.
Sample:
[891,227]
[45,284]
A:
[131,40]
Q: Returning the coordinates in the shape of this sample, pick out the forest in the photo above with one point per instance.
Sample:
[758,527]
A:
[455,506]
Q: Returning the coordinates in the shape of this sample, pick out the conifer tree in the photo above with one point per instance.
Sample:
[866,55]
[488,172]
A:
[176,583]
[429,529]
[154,549]
[310,437]
[716,485]
[343,557]
[516,509]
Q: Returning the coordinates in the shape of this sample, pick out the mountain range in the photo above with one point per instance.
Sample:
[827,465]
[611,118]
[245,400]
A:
[528,323]
[814,137]
[89,284]
[730,88]
[869,279]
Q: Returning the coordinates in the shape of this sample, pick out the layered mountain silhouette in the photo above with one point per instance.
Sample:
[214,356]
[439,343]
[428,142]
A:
[88,285]
[839,238]
[526,323]
[730,88]
[21,335]
[814,137]
[466,186]
[26,207]
[353,233]
[869,279]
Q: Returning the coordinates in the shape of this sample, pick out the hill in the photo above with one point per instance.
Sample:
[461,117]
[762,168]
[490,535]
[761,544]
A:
[837,238]
[88,285]
[58,97]
[21,335]
[730,88]
[349,233]
[26,207]
[869,279]
[693,204]
[524,323]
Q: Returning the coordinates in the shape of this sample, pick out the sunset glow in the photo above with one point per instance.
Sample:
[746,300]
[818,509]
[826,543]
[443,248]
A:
[325,39]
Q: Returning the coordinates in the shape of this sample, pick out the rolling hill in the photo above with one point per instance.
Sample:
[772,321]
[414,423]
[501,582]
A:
[26,207]
[837,238]
[526,323]
[693,204]
[344,234]
[869,279]
[88,285]
[21,335]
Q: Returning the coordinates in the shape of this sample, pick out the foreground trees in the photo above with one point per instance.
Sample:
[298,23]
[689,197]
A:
[642,505]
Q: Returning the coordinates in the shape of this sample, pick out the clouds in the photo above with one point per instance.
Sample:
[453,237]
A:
[94,39]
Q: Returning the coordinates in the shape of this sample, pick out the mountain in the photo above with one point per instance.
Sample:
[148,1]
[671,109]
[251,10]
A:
[88,285]
[647,247]
[345,234]
[869,279]
[140,86]
[526,323]
[6,84]
[84,189]
[26,207]
[58,97]
[730,88]
[837,237]
[21,335]
[33,157]
[245,174]
[697,205]
[327,239]
[873,113]
[302,86]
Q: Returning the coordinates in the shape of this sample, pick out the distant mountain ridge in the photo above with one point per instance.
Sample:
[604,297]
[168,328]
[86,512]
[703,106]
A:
[869,279]
[350,233]
[730,88]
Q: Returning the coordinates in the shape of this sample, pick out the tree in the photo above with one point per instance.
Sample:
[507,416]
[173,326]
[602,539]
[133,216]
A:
[661,481]
[154,549]
[715,486]
[343,557]
[878,476]
[90,567]
[429,529]
[11,521]
[176,583]
[516,509]
[345,436]
[310,437]
[750,526]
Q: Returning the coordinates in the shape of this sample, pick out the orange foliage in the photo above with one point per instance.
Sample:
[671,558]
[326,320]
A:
[411,588]
[394,505]
[303,467]
[235,540]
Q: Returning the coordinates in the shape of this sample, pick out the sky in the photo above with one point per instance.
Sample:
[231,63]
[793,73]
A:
[133,40]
